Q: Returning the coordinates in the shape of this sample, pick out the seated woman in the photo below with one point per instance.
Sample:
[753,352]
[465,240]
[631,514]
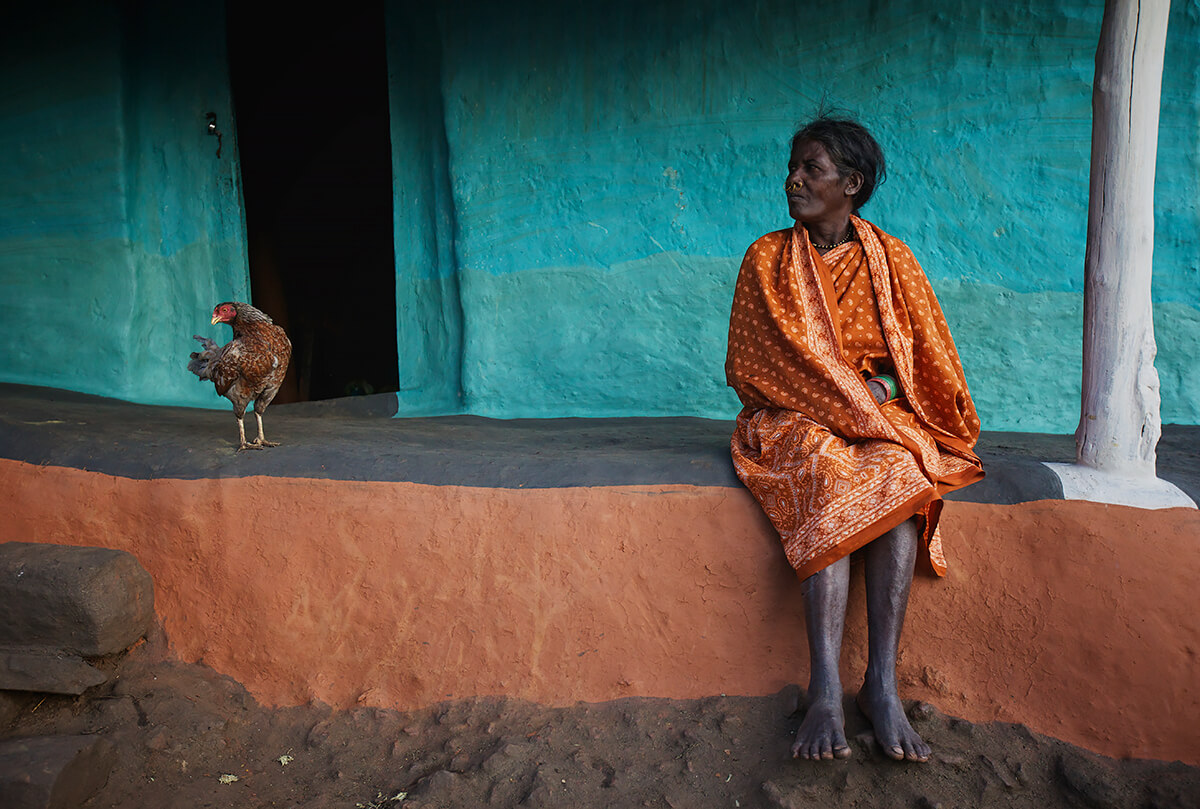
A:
[856,419]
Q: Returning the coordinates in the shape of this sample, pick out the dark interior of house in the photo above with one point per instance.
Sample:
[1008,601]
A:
[311,98]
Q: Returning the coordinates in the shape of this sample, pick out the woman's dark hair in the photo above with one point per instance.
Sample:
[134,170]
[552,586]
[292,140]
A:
[851,148]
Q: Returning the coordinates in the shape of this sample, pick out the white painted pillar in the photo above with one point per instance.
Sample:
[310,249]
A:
[1119,423]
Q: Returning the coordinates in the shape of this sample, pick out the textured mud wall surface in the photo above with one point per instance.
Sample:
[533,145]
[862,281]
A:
[401,595]
[63,262]
[609,165]
[429,318]
[121,226]
[575,188]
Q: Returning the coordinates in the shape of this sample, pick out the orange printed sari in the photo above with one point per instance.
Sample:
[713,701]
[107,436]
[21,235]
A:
[832,469]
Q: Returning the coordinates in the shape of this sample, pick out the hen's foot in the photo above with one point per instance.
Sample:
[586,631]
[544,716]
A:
[262,442]
[249,445]
[892,729]
[822,734]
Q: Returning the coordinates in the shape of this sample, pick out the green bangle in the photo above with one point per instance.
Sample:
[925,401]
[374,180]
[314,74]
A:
[889,385]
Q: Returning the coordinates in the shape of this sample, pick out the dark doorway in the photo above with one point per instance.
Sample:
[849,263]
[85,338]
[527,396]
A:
[311,97]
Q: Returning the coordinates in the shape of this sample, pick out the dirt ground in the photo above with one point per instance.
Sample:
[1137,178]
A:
[188,737]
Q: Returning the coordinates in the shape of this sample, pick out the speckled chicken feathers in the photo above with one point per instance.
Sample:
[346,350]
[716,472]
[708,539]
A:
[251,366]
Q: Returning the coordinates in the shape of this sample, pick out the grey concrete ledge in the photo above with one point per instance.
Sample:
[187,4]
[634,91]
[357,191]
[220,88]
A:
[357,439]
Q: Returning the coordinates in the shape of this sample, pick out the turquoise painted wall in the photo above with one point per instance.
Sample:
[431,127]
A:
[575,188]
[429,315]
[121,227]
[609,164]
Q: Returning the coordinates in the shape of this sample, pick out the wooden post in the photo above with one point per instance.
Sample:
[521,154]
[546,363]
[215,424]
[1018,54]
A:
[1119,424]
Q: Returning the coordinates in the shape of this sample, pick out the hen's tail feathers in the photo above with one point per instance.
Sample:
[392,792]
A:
[201,359]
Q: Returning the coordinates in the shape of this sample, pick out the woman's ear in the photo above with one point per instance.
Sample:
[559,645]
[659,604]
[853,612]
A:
[854,183]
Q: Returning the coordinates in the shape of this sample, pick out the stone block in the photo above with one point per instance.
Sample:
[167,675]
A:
[90,601]
[56,673]
[53,772]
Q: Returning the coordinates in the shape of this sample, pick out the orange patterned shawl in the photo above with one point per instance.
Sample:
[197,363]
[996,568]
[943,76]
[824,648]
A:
[832,469]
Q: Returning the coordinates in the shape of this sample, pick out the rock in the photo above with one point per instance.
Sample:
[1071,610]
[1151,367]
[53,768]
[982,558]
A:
[55,673]
[88,601]
[53,772]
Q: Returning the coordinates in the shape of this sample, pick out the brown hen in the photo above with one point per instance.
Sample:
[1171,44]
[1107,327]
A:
[249,367]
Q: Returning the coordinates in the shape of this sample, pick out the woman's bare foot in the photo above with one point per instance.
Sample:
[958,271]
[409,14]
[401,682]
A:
[892,729]
[822,734]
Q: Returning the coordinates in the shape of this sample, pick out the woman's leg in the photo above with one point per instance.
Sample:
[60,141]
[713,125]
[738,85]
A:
[889,571]
[822,735]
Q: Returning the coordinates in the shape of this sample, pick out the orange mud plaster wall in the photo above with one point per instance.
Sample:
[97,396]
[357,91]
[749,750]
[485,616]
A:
[1076,619]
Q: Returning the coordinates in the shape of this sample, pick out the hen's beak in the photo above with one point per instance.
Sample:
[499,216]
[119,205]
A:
[216,319]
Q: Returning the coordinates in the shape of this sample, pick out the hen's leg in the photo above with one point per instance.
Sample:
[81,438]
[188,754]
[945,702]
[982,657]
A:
[262,441]
[242,442]
[260,407]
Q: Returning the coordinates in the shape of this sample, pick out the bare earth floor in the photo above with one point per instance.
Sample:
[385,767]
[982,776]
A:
[181,732]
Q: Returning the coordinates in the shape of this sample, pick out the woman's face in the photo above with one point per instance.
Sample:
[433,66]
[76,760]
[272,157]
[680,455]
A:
[815,190]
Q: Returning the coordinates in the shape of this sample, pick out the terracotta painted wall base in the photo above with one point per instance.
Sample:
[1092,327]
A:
[1074,618]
